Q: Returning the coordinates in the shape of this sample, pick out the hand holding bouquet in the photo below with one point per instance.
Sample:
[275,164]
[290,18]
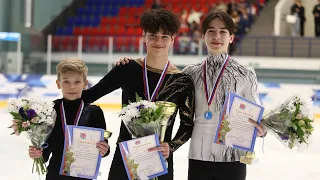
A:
[36,118]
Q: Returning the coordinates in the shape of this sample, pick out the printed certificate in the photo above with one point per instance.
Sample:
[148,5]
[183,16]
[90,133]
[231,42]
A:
[81,158]
[234,129]
[139,163]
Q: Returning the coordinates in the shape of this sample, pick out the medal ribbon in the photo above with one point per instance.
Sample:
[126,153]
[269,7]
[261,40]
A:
[64,120]
[206,88]
[146,83]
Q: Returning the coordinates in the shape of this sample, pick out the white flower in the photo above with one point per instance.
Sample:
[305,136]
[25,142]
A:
[49,104]
[12,100]
[291,107]
[145,102]
[133,113]
[124,110]
[49,120]
[47,111]
[297,97]
[307,112]
[152,105]
[126,118]
[22,103]
[42,119]
[12,107]
[135,104]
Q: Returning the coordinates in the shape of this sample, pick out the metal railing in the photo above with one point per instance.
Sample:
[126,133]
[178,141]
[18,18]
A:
[274,46]
[46,47]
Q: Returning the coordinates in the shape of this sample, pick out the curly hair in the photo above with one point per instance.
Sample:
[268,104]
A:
[153,20]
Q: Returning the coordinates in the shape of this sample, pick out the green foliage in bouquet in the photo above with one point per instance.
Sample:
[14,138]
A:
[36,117]
[300,127]
[290,122]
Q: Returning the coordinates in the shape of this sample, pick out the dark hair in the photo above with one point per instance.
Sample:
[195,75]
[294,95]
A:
[226,18]
[153,20]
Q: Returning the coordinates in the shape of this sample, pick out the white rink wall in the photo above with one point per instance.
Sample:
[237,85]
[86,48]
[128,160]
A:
[44,86]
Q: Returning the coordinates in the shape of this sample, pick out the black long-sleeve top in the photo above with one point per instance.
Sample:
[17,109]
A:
[177,87]
[92,116]
[316,9]
[300,10]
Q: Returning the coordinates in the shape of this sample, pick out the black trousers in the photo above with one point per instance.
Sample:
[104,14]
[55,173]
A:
[204,170]
[118,171]
[317,27]
[302,28]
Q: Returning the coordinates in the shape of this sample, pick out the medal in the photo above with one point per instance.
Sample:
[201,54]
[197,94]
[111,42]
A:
[76,119]
[208,114]
[146,83]
[68,159]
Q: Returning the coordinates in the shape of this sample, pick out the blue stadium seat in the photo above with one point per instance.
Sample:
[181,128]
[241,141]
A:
[71,20]
[64,31]
[110,11]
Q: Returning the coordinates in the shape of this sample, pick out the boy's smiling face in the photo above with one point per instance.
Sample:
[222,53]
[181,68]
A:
[217,37]
[159,43]
[71,84]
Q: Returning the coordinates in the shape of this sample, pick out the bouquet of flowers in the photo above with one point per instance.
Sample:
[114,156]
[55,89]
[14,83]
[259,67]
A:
[36,118]
[291,122]
[143,118]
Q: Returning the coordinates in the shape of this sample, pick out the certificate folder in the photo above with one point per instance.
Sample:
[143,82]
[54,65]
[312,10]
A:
[80,157]
[234,128]
[139,162]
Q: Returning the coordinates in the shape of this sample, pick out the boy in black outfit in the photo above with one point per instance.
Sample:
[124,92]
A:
[71,79]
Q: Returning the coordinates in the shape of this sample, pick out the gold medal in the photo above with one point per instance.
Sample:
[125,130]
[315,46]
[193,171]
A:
[107,134]
[249,158]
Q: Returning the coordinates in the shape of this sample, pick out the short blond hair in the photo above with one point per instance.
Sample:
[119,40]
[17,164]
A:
[72,65]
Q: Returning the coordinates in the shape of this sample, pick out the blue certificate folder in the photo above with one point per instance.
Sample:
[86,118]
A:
[131,166]
[68,141]
[228,104]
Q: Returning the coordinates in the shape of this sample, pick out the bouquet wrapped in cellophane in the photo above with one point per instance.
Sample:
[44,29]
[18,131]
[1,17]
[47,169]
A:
[144,118]
[291,122]
[35,117]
